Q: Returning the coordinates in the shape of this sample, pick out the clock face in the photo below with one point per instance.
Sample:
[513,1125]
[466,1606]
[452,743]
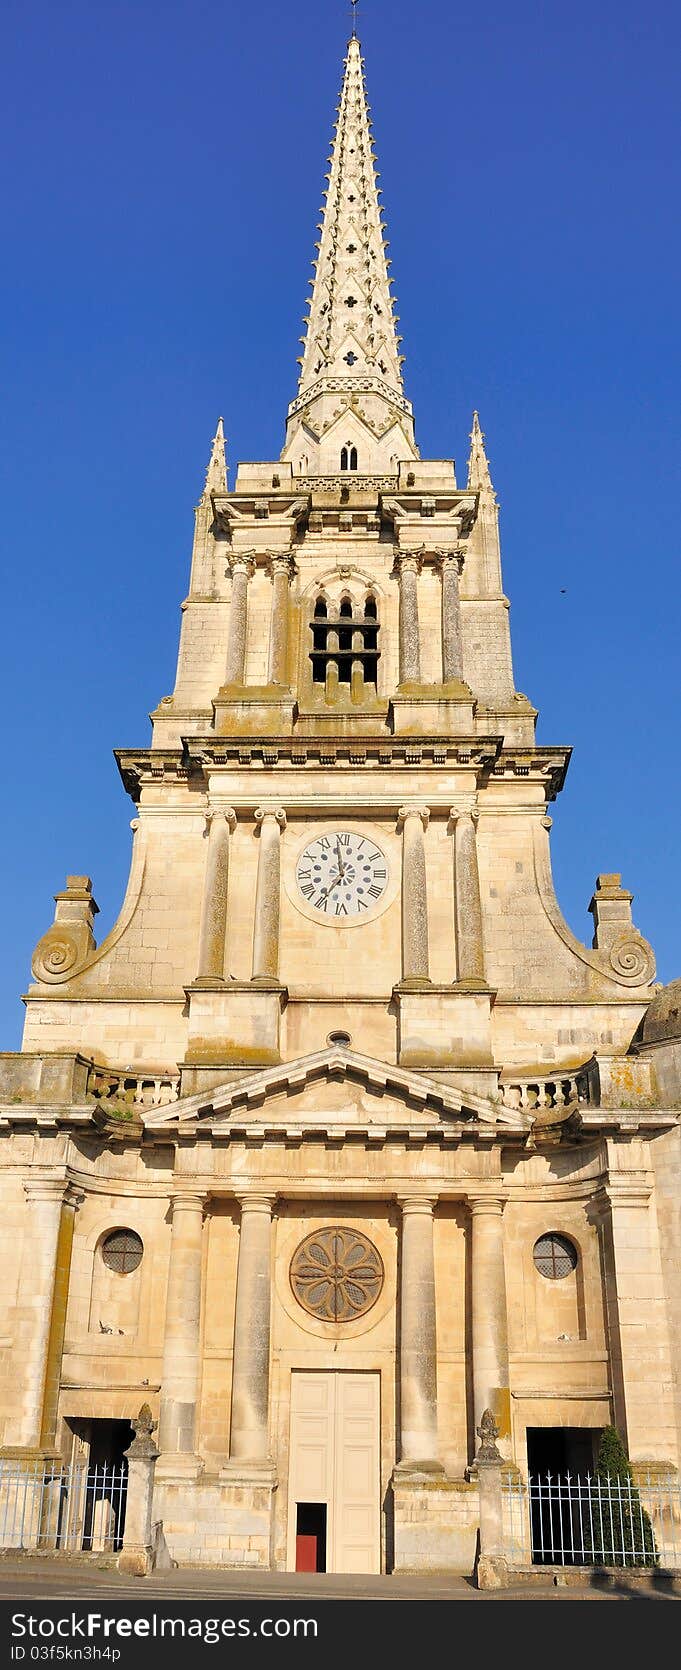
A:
[342,875]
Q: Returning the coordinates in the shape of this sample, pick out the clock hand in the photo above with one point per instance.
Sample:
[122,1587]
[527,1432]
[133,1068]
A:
[341,866]
[329,889]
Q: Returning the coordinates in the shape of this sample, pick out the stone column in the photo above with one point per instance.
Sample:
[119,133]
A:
[418,1342]
[249,1436]
[413,820]
[470,964]
[450,565]
[282,571]
[182,1339]
[242,565]
[213,931]
[408,566]
[41,1303]
[489,1336]
[267,897]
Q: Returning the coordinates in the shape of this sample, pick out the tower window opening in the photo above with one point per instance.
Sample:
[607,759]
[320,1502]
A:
[344,652]
[353,458]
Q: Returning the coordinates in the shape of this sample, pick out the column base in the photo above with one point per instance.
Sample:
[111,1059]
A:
[254,709]
[235,1024]
[249,1473]
[443,1026]
[180,1465]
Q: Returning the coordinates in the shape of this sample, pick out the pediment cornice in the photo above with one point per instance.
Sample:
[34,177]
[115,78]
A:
[402,1097]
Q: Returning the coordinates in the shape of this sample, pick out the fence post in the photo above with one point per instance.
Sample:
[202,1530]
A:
[491,1567]
[137,1554]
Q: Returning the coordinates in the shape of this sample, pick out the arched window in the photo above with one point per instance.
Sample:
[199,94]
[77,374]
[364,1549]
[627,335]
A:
[344,458]
[345,651]
[353,458]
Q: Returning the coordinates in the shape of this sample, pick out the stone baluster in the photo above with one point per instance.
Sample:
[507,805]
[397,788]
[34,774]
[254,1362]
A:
[242,565]
[418,1339]
[407,568]
[282,569]
[213,930]
[450,565]
[413,820]
[489,1328]
[41,1303]
[249,1439]
[182,1338]
[267,897]
[470,964]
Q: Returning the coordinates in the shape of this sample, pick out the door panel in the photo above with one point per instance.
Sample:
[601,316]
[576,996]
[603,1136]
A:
[335,1449]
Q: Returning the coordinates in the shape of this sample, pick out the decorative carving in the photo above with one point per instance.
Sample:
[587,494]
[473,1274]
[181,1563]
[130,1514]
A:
[488,1432]
[70,941]
[336,1274]
[144,1427]
[632,961]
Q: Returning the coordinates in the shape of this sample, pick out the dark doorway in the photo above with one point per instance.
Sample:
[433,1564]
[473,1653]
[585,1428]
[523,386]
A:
[556,1455]
[99,1498]
[311,1536]
[562,1449]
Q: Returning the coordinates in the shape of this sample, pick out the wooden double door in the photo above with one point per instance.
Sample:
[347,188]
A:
[334,1521]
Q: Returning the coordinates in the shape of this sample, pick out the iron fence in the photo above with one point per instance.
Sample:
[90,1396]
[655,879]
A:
[51,1505]
[563,1519]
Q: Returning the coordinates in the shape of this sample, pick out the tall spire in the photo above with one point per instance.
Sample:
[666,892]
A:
[478,466]
[351,344]
[216,474]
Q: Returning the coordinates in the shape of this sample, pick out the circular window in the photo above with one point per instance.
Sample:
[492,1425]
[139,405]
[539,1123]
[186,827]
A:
[122,1251]
[554,1256]
[336,1274]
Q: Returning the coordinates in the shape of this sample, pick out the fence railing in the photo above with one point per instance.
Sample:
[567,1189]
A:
[133,1090]
[47,1505]
[562,1519]
[558,1090]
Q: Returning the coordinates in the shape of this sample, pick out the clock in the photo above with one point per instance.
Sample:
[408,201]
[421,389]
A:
[342,875]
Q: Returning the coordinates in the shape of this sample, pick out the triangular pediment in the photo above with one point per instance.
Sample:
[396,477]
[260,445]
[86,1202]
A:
[336,1086]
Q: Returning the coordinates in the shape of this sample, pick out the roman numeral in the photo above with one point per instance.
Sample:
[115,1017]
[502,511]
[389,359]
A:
[308,891]
[340,909]
[324,842]
[375,892]
[382,873]
[303,874]
[344,840]
[362,904]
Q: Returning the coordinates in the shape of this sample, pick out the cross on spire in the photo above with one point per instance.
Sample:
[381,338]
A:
[353,13]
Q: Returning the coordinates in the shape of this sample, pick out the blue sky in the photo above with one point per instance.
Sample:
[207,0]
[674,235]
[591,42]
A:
[162,171]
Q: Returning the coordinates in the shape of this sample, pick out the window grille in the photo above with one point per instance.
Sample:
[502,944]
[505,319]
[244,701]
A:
[122,1251]
[554,1256]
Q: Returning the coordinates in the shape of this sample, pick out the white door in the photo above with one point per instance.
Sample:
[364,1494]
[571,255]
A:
[334,1461]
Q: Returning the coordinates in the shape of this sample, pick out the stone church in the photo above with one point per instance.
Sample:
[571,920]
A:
[341,1137]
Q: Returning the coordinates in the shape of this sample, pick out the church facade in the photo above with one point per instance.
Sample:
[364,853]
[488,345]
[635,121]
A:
[341,1137]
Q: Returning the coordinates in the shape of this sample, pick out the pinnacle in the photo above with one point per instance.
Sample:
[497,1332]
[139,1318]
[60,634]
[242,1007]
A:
[216,474]
[478,465]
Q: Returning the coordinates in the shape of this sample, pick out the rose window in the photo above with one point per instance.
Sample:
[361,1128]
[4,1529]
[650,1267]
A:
[336,1274]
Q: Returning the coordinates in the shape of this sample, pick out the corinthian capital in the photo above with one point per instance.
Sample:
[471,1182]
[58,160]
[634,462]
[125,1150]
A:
[408,562]
[242,562]
[280,562]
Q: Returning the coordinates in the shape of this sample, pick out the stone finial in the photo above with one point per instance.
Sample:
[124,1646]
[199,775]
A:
[488,1432]
[610,907]
[144,1427]
[216,474]
[478,466]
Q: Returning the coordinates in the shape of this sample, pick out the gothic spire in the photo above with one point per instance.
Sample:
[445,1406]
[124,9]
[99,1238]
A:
[350,325]
[351,344]
[216,474]
[478,466]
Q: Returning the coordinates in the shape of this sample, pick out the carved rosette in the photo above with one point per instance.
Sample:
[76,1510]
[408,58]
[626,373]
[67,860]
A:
[631,960]
[336,1274]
